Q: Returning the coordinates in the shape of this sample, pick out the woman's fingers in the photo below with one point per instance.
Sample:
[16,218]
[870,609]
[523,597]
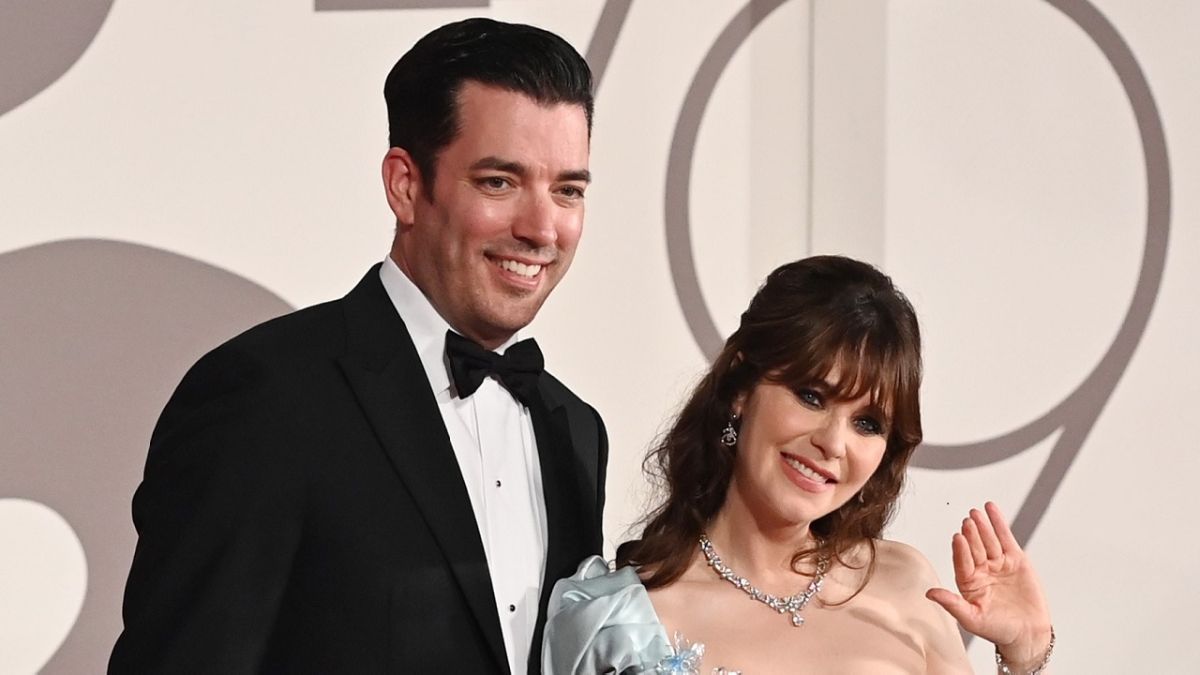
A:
[991,543]
[1008,542]
[970,532]
[964,562]
[962,611]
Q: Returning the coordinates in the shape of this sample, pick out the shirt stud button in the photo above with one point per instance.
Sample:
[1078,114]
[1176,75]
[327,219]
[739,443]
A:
[512,608]
[497,483]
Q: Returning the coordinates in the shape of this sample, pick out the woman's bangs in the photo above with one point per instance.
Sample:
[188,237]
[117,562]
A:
[863,367]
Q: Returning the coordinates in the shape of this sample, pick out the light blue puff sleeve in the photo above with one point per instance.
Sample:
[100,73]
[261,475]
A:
[602,622]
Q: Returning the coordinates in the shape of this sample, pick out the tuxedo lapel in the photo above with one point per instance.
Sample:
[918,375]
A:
[565,517]
[384,370]
[567,512]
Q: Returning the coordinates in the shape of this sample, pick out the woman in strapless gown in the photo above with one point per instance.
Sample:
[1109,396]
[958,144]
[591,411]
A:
[765,552]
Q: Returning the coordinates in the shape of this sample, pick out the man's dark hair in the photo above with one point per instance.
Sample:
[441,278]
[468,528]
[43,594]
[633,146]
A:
[421,90]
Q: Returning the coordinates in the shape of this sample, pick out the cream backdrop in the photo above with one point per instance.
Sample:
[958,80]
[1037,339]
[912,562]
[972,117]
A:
[173,172]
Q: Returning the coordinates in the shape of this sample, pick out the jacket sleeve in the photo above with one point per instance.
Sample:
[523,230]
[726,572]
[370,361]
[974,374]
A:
[218,516]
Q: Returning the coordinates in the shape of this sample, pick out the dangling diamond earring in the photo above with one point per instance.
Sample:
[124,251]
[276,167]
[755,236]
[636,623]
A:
[729,434]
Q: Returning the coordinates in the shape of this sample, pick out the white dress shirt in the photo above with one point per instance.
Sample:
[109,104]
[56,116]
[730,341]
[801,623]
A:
[493,440]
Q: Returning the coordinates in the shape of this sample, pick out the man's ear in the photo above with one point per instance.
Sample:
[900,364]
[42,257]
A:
[401,184]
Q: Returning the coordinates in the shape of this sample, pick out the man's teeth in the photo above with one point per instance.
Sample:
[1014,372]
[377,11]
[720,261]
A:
[805,471]
[520,268]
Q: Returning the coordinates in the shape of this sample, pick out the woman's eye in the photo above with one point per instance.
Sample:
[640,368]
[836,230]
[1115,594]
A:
[810,397]
[869,426]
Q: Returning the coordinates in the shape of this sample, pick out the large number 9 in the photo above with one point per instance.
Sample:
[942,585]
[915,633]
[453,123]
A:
[1077,413]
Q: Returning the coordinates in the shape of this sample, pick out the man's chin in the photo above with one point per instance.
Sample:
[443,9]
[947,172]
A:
[507,317]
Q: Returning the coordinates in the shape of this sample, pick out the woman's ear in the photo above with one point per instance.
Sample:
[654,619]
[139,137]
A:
[738,403]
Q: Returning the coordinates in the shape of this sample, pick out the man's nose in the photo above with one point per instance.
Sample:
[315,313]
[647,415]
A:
[537,221]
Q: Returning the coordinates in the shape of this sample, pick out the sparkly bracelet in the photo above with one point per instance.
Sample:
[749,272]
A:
[1004,669]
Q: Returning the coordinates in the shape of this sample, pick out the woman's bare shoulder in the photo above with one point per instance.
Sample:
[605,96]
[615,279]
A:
[901,573]
[903,561]
[902,577]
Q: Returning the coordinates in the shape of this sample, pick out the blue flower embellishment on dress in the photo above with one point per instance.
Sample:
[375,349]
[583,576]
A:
[685,659]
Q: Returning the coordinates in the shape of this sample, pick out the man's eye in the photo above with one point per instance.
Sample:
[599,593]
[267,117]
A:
[571,191]
[494,182]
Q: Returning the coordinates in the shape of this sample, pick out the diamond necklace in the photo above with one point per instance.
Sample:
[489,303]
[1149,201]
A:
[792,604]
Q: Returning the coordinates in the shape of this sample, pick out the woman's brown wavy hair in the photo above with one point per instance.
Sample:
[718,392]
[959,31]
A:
[809,317]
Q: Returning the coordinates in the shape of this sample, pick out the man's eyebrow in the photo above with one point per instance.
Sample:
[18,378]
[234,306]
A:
[582,175]
[519,169]
[499,164]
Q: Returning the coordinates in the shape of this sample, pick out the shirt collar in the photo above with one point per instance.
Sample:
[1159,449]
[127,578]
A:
[425,325]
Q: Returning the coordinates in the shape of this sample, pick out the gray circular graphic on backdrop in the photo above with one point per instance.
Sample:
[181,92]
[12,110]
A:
[1077,413]
[40,41]
[94,336]
[677,196]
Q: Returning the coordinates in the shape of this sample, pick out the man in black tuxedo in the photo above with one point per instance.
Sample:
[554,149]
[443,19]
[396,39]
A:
[389,482]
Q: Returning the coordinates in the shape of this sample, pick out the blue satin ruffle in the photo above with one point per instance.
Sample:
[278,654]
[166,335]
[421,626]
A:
[600,621]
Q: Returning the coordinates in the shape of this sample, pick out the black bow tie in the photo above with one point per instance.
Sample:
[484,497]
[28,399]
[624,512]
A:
[518,368]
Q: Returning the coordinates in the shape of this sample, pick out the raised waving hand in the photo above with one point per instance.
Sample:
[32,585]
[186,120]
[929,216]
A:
[1000,598]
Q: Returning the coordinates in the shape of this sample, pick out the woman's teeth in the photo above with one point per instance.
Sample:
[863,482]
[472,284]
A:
[805,471]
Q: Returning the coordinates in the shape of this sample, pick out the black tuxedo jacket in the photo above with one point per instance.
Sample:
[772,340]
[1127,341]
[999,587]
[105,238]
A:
[302,510]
